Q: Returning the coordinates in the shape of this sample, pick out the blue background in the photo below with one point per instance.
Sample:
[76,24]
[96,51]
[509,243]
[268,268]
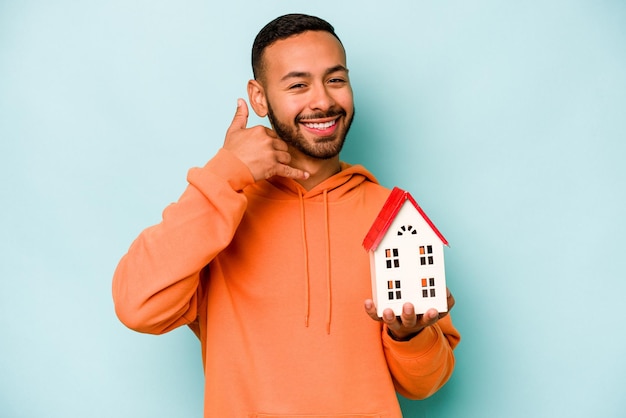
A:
[505,120]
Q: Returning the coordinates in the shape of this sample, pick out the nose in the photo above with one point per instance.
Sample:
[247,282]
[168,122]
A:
[321,98]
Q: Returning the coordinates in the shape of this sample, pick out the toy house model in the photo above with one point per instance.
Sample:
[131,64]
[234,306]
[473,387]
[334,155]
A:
[406,257]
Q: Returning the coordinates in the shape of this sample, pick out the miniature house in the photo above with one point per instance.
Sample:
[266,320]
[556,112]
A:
[406,257]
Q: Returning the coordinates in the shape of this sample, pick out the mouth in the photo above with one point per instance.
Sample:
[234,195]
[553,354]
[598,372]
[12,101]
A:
[320,127]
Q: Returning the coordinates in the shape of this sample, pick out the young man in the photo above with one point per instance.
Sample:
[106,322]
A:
[262,255]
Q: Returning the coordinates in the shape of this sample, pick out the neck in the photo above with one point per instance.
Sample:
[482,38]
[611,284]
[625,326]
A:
[319,170]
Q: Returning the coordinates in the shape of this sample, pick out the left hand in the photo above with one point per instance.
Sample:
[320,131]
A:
[408,324]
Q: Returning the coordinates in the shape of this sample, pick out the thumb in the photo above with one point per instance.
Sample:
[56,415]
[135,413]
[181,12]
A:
[240,120]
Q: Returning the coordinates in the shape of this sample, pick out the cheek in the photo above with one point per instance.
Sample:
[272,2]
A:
[287,110]
[344,99]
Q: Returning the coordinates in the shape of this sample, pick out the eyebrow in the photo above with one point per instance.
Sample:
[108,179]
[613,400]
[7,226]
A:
[305,74]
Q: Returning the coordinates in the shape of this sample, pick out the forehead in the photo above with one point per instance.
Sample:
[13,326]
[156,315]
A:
[310,52]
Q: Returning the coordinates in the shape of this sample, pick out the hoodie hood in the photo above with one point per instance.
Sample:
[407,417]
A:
[333,189]
[336,186]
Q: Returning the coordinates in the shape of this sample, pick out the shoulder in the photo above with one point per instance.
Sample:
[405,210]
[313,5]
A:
[375,192]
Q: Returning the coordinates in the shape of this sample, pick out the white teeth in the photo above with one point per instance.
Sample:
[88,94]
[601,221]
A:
[325,125]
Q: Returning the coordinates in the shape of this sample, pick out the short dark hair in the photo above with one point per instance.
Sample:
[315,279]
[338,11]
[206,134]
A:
[284,27]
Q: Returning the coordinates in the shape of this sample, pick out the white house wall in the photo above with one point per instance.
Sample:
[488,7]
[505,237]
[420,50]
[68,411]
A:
[410,271]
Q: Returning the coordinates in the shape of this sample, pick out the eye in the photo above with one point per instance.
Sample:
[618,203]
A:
[336,80]
[297,86]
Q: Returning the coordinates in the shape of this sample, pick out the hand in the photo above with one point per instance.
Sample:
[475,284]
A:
[408,324]
[259,148]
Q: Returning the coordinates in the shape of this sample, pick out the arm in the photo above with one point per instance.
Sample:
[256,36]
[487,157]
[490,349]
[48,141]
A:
[421,366]
[418,349]
[156,285]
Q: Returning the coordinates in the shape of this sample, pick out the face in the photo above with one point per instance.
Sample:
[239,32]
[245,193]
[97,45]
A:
[305,92]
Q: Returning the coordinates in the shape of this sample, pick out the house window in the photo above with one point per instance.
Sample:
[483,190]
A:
[393,289]
[428,288]
[407,229]
[426,255]
[391,258]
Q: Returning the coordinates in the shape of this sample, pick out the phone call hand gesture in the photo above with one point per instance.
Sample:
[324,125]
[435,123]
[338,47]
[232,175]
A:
[259,148]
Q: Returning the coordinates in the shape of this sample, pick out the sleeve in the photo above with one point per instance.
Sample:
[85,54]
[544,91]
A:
[156,284]
[421,366]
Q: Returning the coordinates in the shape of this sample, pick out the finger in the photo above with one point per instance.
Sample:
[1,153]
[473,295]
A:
[283,157]
[240,121]
[370,308]
[429,318]
[391,320]
[284,170]
[408,318]
[270,132]
[280,145]
[451,300]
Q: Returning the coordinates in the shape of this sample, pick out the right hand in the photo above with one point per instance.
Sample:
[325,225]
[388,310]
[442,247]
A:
[259,148]
[408,324]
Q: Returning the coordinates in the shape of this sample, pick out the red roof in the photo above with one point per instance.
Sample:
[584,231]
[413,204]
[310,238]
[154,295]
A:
[387,214]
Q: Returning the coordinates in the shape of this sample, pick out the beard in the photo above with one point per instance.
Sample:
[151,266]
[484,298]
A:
[324,148]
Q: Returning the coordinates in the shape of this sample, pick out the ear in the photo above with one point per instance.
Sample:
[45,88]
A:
[258,100]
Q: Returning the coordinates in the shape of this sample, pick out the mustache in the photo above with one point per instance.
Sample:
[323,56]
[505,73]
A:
[331,113]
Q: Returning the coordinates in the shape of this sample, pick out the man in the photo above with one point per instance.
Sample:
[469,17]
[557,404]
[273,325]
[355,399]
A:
[262,258]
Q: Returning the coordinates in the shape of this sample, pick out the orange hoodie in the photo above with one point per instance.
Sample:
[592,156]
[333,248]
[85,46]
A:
[272,279]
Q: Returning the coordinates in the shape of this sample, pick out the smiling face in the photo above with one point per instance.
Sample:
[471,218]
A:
[305,91]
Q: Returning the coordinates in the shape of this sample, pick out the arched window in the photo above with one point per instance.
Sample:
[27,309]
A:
[407,229]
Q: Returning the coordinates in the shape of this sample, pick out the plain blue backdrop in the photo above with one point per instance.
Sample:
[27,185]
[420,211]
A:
[505,120]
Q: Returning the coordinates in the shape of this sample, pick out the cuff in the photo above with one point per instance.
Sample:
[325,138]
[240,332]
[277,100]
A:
[423,341]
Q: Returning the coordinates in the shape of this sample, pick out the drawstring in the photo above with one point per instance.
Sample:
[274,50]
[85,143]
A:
[307,290]
[328,283]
